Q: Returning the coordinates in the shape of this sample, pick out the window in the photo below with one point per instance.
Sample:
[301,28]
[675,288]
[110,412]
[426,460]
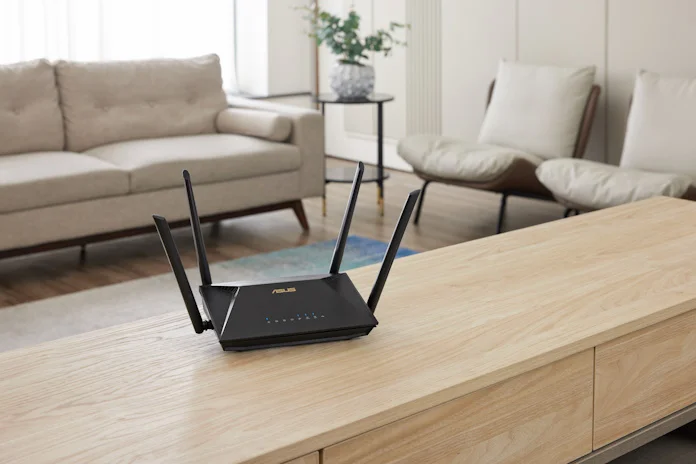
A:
[93,30]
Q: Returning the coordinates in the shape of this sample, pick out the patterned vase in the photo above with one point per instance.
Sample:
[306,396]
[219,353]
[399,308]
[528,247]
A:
[352,80]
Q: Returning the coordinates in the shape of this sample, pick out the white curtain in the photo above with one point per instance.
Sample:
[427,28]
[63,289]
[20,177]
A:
[94,30]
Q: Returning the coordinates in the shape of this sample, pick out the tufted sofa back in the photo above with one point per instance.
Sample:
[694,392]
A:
[30,118]
[107,102]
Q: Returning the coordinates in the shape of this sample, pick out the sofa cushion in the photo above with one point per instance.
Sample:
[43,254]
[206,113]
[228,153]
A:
[30,118]
[33,180]
[108,102]
[157,163]
[537,109]
[254,123]
[661,131]
[103,215]
[451,158]
[589,185]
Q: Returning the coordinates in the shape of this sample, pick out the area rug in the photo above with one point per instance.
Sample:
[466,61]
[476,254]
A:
[63,316]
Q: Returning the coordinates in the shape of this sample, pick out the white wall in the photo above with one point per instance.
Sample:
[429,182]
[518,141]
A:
[351,130]
[475,35]
[290,50]
[617,36]
[657,35]
[252,46]
[273,52]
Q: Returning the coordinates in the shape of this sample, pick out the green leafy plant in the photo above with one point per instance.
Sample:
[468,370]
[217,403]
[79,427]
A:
[342,37]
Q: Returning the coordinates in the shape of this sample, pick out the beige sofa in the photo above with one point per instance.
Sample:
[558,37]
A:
[89,151]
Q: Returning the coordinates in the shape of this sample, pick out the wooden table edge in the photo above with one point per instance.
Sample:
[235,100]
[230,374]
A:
[343,433]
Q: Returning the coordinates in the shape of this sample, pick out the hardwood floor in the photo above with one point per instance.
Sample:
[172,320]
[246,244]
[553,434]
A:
[450,215]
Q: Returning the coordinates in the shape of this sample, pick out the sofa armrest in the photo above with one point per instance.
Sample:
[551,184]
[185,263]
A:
[262,124]
[307,134]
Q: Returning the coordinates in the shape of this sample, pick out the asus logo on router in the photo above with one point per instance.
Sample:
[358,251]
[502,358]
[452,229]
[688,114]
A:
[241,313]
[284,290]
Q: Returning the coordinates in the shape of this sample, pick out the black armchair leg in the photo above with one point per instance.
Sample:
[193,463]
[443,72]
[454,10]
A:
[501,213]
[420,202]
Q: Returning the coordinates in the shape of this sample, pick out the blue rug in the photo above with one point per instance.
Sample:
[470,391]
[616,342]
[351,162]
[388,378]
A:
[311,259]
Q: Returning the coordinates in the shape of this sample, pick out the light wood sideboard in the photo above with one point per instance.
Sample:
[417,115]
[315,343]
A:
[308,459]
[549,344]
[643,377]
[545,416]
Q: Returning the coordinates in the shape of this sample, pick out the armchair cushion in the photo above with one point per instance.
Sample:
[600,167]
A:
[262,124]
[537,109]
[451,158]
[588,185]
[661,131]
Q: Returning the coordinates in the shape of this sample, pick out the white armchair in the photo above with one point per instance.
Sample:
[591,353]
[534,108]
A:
[658,158]
[535,113]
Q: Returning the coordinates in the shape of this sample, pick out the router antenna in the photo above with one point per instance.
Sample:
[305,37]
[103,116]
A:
[392,249]
[175,262]
[347,218]
[197,235]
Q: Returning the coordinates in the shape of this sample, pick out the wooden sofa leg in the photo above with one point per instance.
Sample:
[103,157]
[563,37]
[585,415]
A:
[215,229]
[298,209]
[501,213]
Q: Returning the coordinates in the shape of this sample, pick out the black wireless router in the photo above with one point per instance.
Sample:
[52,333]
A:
[288,311]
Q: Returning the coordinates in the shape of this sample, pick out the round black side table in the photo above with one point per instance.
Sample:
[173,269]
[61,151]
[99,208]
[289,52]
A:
[372,174]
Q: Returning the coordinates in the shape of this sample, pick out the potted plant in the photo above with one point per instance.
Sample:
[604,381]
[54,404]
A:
[350,77]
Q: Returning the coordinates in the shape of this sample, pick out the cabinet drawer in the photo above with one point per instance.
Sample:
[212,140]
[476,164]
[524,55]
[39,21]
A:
[308,459]
[542,416]
[643,377]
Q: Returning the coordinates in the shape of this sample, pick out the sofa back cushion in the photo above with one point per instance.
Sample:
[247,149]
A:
[537,109]
[661,130]
[108,102]
[30,117]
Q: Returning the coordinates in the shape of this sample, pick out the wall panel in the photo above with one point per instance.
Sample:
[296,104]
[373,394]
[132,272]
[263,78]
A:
[290,50]
[656,35]
[567,33]
[617,36]
[475,35]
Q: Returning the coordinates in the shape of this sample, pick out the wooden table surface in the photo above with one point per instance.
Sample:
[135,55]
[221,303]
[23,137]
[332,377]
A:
[452,321]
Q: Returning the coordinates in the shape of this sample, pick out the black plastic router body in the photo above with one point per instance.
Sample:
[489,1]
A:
[280,312]
[302,310]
